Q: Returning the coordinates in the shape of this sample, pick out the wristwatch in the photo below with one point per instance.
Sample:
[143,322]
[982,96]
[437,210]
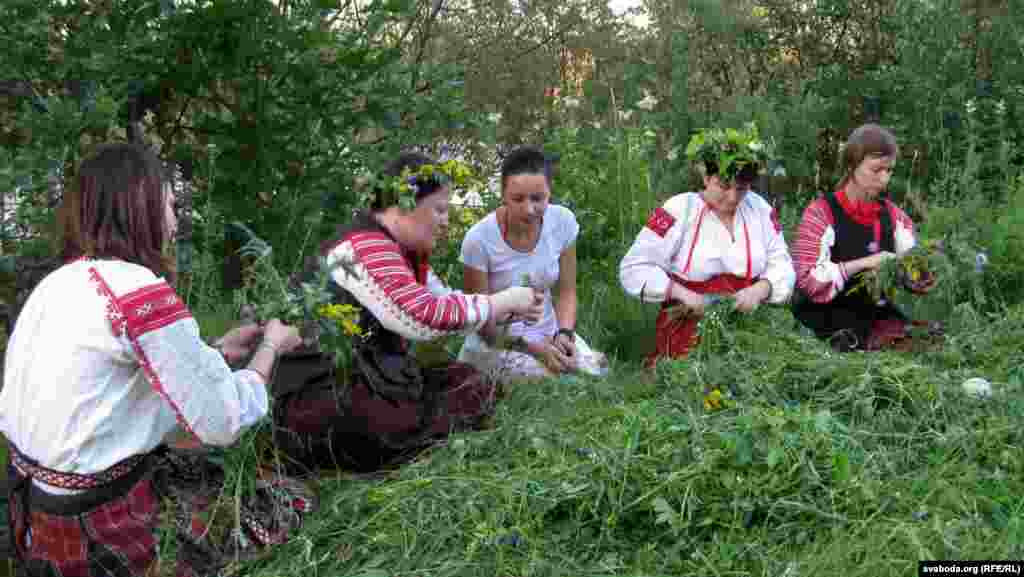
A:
[568,332]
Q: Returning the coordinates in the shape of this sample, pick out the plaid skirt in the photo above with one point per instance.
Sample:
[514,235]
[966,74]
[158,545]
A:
[113,529]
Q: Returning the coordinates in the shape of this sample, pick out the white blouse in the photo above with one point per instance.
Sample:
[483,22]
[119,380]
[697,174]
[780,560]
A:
[684,238]
[105,360]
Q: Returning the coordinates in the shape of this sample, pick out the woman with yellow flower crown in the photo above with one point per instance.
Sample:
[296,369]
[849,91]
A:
[389,405]
[725,239]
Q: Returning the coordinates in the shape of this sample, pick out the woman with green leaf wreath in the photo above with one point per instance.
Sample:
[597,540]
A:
[724,240]
[376,404]
[843,242]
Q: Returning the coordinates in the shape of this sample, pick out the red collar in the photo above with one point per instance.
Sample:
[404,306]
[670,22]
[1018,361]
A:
[863,212]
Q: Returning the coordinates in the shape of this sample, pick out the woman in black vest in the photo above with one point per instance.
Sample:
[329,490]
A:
[844,234]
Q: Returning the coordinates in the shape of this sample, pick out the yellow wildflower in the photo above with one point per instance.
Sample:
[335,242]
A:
[713,400]
[351,328]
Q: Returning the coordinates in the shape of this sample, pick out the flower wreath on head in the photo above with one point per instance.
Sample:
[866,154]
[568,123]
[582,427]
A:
[730,150]
[405,189]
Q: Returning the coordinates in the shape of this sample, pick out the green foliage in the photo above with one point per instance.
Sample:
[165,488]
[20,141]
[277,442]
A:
[730,149]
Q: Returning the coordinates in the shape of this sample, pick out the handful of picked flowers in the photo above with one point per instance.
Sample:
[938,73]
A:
[307,304]
[917,271]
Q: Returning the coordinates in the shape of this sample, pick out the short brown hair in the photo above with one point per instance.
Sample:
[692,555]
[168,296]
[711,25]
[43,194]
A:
[117,209]
[867,140]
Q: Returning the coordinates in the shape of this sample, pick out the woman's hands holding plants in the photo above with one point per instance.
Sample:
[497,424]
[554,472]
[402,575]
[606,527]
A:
[239,343]
[747,300]
[517,303]
[282,337]
[691,302]
[566,343]
[552,356]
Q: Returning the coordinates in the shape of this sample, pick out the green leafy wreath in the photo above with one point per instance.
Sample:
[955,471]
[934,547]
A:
[730,150]
[403,189]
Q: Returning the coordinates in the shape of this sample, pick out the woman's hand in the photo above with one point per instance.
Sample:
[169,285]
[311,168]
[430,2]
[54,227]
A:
[518,303]
[691,301]
[870,262]
[748,299]
[565,343]
[551,356]
[282,337]
[239,343]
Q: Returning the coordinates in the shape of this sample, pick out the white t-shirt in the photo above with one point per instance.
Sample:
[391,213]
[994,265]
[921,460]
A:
[484,249]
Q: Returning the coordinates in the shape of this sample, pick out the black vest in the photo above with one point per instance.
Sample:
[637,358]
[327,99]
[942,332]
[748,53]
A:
[850,310]
[854,240]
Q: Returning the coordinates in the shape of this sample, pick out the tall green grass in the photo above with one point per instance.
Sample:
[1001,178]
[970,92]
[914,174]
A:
[860,464]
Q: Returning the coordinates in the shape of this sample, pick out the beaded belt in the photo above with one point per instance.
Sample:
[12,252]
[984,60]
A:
[72,481]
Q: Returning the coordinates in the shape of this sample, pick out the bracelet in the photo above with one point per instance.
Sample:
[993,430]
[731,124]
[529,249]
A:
[568,332]
[770,289]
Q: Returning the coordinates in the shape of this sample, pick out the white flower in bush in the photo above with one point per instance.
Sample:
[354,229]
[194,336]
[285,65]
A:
[648,103]
[570,102]
[494,117]
[756,145]
[980,262]
[977,388]
[625,115]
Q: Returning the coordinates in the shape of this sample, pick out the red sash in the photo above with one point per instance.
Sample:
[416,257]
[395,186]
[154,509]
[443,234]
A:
[675,337]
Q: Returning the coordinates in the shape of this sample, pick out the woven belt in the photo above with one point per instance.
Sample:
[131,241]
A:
[72,481]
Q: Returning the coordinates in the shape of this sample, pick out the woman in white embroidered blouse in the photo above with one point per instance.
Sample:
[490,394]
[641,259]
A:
[725,239]
[105,361]
[527,238]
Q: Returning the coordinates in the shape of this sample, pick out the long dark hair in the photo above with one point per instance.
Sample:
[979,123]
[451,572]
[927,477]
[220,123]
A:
[117,209]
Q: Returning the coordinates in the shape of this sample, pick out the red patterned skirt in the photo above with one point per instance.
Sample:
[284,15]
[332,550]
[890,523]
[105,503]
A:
[674,337]
[112,528]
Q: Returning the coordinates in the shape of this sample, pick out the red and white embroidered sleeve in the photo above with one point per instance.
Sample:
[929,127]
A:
[644,270]
[816,275]
[208,399]
[903,229]
[381,279]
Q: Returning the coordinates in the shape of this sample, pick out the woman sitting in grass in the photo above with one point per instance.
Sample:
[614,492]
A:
[104,363]
[845,235]
[724,240]
[391,405]
[527,241]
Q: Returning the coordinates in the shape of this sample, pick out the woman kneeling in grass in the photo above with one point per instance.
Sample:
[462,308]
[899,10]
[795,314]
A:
[527,241]
[391,405]
[845,235]
[104,362]
[724,240]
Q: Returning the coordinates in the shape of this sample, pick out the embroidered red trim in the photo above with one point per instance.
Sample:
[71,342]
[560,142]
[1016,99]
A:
[72,481]
[115,310]
[393,274]
[152,307]
[660,221]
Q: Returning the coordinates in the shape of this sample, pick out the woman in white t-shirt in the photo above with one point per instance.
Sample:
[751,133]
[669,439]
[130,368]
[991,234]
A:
[527,241]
